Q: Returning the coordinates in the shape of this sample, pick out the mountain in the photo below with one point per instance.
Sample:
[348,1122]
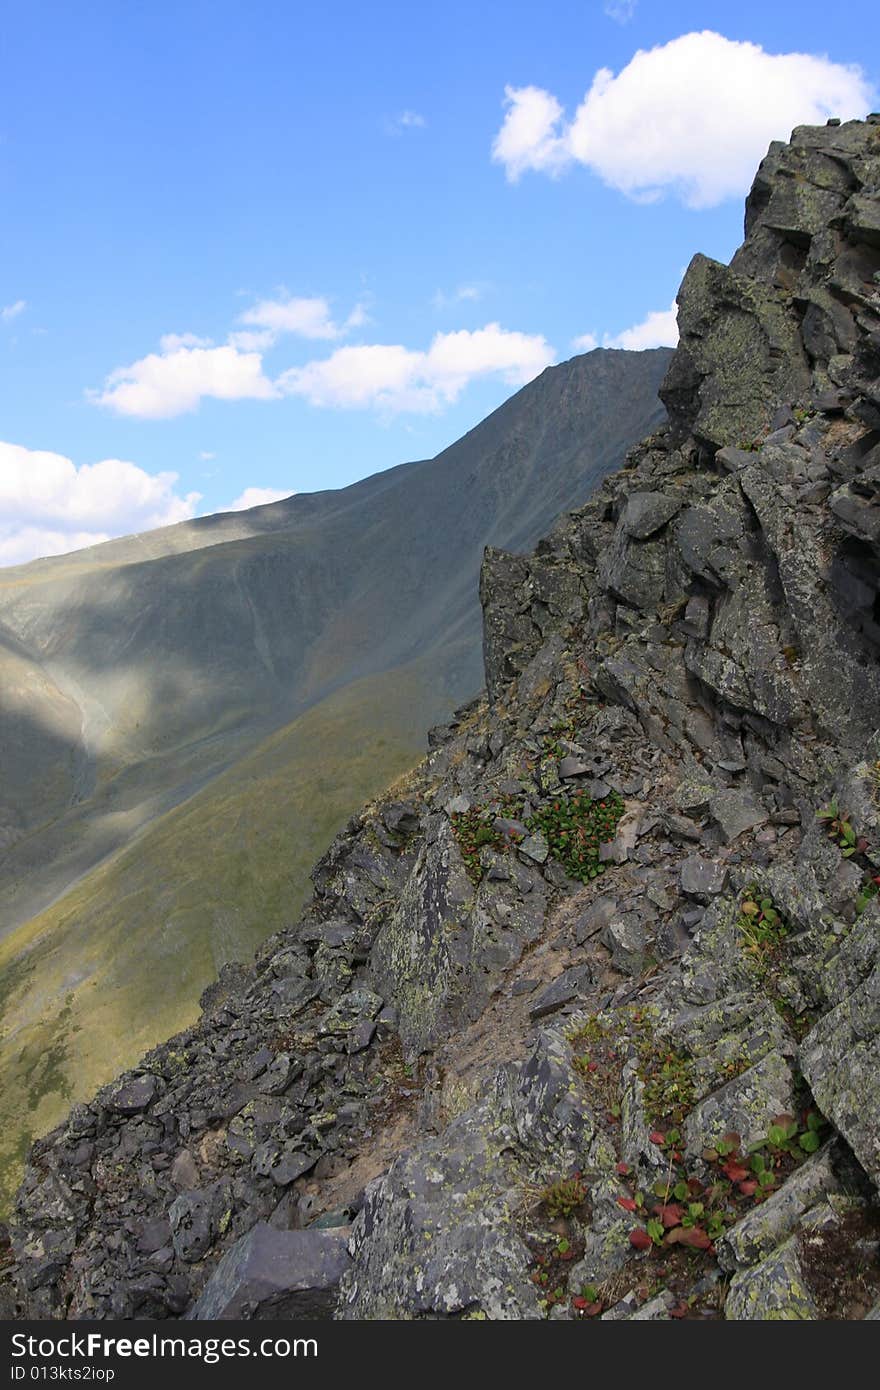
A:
[188,716]
[583,1017]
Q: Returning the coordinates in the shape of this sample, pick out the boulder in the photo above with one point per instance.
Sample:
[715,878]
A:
[271,1274]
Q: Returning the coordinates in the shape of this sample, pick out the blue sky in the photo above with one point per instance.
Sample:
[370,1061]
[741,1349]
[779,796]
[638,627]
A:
[267,245]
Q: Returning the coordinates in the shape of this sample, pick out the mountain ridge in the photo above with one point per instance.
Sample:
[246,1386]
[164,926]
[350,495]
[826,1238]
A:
[133,690]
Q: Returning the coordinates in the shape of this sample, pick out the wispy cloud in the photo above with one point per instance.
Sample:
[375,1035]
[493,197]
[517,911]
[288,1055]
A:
[659,125]
[462,294]
[621,11]
[404,120]
[12,311]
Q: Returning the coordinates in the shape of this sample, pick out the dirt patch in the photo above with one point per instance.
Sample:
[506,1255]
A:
[841,1265]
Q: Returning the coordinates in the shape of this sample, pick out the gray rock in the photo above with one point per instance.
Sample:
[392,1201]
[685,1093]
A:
[702,878]
[573,767]
[510,829]
[626,939]
[656,1309]
[283,1163]
[568,987]
[184,1173]
[734,459]
[747,1106]
[133,1095]
[535,848]
[193,1224]
[692,796]
[275,1274]
[774,1290]
[646,512]
[840,1058]
[696,617]
[594,918]
[736,811]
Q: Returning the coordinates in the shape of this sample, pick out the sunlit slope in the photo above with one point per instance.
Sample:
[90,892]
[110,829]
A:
[88,985]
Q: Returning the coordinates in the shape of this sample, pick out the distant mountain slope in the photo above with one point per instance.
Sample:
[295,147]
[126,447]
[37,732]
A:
[145,675]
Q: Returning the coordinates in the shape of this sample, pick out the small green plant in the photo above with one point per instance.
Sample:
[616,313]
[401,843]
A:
[666,1074]
[565,1196]
[575,827]
[473,830]
[762,928]
[840,830]
[839,827]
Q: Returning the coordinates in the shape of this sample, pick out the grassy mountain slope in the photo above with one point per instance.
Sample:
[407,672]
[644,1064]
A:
[101,975]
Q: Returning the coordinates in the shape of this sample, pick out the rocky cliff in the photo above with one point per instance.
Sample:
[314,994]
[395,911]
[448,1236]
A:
[584,1017]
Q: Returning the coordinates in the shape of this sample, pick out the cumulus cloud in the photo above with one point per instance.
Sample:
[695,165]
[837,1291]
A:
[172,342]
[585,343]
[12,311]
[257,497]
[390,377]
[271,319]
[49,505]
[393,378]
[694,116]
[657,329]
[174,380]
[309,318]
[531,136]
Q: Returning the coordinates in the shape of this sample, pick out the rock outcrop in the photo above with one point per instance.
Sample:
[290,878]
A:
[584,1019]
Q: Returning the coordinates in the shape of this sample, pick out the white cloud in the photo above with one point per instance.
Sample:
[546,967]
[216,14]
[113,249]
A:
[621,11]
[390,377]
[12,311]
[48,505]
[394,378]
[309,318]
[256,497]
[306,318]
[530,137]
[174,381]
[657,329]
[206,456]
[694,115]
[172,342]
